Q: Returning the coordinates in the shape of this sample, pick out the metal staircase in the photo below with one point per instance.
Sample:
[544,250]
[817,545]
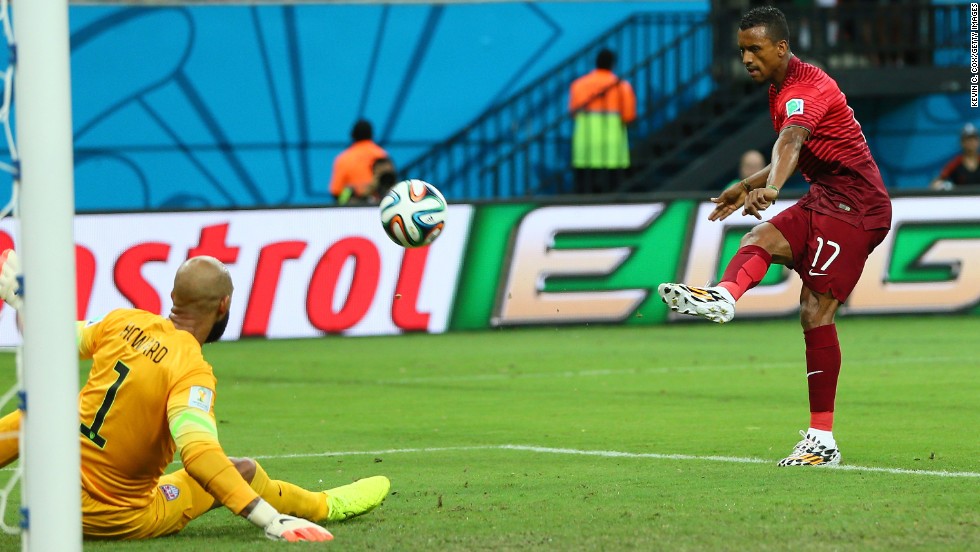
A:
[521,147]
[711,134]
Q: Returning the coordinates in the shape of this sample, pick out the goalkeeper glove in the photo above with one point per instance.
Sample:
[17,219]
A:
[10,279]
[288,528]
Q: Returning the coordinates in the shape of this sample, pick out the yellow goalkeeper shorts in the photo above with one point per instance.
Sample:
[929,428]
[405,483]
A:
[177,499]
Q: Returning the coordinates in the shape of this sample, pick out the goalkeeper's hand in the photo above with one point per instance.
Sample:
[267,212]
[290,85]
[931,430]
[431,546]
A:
[10,279]
[288,528]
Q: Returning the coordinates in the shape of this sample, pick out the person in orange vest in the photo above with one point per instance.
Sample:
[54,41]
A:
[602,105]
[353,181]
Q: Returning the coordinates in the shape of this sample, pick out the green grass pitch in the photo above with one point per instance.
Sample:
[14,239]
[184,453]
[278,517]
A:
[608,438]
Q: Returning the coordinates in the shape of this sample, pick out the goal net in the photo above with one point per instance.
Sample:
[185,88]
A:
[9,171]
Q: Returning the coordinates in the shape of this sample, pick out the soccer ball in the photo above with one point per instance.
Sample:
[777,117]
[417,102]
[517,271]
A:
[413,213]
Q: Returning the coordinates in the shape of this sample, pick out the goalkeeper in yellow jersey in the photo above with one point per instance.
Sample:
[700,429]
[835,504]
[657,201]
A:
[150,393]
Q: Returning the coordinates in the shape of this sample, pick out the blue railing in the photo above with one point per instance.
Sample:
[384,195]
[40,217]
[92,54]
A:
[521,146]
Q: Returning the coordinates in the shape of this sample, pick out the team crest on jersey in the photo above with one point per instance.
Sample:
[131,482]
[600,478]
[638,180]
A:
[201,397]
[794,107]
[170,492]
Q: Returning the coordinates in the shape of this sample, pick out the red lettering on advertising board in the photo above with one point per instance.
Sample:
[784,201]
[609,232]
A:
[213,242]
[404,310]
[84,279]
[323,284]
[265,284]
[130,282]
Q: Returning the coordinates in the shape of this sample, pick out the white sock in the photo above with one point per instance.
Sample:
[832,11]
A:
[826,438]
[727,294]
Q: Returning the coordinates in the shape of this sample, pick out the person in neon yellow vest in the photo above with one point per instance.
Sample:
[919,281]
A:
[602,105]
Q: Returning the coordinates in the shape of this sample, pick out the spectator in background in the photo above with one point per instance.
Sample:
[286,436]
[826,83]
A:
[751,162]
[353,181]
[602,105]
[964,169]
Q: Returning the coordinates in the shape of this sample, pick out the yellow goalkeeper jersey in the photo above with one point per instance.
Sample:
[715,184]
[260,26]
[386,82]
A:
[141,366]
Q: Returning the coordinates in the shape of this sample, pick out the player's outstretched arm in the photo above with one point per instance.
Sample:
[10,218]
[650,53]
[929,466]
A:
[196,436]
[210,467]
[728,202]
[281,526]
[785,155]
[734,197]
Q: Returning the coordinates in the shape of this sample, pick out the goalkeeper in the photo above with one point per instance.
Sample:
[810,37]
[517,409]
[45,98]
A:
[150,393]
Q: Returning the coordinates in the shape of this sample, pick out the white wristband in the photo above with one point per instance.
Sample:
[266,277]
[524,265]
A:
[262,514]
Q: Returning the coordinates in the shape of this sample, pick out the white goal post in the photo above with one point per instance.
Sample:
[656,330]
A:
[50,453]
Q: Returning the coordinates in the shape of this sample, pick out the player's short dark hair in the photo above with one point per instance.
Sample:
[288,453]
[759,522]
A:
[769,17]
[605,59]
[362,131]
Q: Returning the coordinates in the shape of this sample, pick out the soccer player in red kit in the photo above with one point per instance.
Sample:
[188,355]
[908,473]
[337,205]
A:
[825,237]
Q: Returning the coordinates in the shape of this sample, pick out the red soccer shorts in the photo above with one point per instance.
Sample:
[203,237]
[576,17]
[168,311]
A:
[828,254]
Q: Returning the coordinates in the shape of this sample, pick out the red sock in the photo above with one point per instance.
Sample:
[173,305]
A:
[822,369]
[822,420]
[746,269]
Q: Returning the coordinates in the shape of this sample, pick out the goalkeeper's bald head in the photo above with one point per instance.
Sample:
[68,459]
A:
[202,297]
[201,283]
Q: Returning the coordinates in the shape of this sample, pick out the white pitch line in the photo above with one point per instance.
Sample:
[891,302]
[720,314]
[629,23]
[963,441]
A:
[614,454]
[602,454]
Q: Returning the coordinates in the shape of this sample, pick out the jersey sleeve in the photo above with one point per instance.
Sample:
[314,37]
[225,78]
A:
[88,333]
[803,105]
[190,413]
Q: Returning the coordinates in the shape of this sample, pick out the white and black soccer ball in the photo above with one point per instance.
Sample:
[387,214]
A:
[413,213]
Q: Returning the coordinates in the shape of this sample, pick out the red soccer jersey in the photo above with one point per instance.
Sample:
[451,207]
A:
[844,180]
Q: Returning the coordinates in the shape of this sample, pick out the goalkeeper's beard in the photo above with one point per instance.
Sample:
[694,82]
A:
[217,330]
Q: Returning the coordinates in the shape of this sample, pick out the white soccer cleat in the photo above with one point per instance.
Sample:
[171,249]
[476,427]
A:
[811,452]
[714,303]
